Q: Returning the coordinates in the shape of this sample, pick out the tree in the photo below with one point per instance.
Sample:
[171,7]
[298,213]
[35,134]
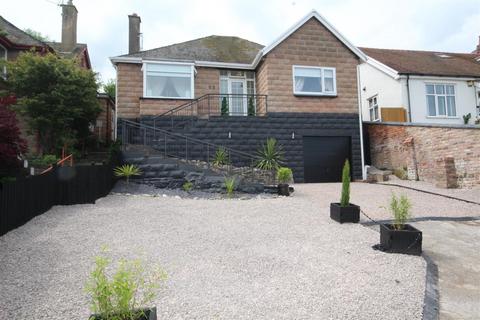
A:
[57,98]
[251,107]
[224,109]
[37,35]
[11,143]
[345,197]
[110,88]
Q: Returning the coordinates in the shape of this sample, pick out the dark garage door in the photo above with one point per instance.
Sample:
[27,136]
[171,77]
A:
[324,158]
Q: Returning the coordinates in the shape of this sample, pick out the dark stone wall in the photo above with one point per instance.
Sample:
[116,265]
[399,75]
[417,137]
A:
[248,133]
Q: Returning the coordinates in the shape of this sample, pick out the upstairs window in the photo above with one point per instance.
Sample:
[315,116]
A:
[314,81]
[172,81]
[373,108]
[441,100]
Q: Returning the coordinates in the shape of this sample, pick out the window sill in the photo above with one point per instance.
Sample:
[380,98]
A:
[164,98]
[312,94]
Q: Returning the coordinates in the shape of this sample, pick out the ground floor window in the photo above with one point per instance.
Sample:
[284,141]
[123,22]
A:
[171,81]
[441,100]
[373,108]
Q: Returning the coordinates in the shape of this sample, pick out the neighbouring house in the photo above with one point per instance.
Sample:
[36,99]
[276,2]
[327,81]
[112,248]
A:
[420,86]
[104,125]
[301,89]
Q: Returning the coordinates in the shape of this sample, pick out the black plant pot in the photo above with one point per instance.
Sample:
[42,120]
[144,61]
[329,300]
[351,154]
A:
[407,241]
[148,314]
[350,213]
[283,189]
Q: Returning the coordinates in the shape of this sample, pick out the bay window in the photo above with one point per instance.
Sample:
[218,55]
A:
[172,81]
[314,81]
[441,100]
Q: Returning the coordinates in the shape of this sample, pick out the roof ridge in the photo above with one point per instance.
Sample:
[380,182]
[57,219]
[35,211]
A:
[14,26]
[423,51]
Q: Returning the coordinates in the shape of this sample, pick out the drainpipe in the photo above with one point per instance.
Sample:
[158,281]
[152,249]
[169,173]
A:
[116,102]
[359,97]
[408,97]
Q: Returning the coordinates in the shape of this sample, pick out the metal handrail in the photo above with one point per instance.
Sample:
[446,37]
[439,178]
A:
[60,162]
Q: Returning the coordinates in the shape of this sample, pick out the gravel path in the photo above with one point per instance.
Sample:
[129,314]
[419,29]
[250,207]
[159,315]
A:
[226,259]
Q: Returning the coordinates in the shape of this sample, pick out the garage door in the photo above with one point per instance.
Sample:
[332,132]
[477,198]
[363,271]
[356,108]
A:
[324,158]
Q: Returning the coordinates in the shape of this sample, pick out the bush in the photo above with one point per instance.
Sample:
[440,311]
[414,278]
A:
[221,157]
[11,143]
[224,110]
[44,161]
[187,186]
[251,107]
[400,209]
[127,171]
[284,175]
[230,185]
[345,197]
[270,155]
[120,295]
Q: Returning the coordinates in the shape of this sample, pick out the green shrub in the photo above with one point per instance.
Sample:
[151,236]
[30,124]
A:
[44,161]
[466,118]
[221,157]
[187,186]
[251,107]
[120,295]
[284,175]
[127,171]
[400,209]
[7,179]
[270,155]
[401,173]
[345,197]
[224,110]
[230,185]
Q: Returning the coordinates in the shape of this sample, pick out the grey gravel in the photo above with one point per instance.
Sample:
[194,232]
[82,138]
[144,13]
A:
[277,258]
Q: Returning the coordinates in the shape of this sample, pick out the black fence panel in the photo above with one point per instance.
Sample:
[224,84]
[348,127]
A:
[27,198]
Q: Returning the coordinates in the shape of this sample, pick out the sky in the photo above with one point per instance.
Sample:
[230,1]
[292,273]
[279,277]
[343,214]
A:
[436,25]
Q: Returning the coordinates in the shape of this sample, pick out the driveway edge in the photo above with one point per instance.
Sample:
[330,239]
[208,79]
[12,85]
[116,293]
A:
[431,300]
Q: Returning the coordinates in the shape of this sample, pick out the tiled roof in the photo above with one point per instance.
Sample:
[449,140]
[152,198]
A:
[212,48]
[18,36]
[427,62]
[75,52]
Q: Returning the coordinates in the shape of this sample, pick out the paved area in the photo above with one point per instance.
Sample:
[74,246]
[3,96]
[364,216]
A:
[454,247]
[226,259]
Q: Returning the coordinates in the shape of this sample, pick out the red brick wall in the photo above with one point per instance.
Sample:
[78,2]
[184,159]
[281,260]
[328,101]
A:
[311,45]
[445,156]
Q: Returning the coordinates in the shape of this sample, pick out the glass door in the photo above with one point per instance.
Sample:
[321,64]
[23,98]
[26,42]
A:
[238,103]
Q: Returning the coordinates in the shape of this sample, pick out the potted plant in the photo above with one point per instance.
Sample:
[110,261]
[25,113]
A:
[123,294]
[284,176]
[399,237]
[344,211]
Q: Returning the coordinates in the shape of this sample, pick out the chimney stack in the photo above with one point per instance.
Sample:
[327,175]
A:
[69,26]
[477,50]
[134,33]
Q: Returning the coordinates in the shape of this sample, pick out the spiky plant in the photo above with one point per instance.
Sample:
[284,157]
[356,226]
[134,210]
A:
[127,171]
[345,197]
[221,157]
[400,208]
[229,185]
[270,155]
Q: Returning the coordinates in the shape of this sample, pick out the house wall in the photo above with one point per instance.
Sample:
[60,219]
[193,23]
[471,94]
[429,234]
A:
[389,91]
[464,97]
[132,104]
[310,45]
[446,155]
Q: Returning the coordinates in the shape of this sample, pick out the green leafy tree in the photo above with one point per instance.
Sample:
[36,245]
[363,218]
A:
[345,197]
[57,98]
[110,88]
[251,107]
[224,110]
[37,35]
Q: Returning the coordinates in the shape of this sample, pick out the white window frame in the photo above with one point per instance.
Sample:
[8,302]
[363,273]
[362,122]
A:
[323,93]
[373,108]
[192,79]
[444,84]
[4,72]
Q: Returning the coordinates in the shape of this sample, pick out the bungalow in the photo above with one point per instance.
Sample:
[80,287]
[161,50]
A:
[301,89]
[420,86]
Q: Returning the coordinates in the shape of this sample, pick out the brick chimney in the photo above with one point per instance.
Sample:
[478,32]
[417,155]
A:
[134,33]
[69,26]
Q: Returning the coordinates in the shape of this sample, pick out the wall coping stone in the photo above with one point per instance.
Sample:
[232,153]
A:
[427,125]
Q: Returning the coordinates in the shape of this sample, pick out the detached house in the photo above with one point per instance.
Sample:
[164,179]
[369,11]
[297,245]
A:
[301,89]
[420,86]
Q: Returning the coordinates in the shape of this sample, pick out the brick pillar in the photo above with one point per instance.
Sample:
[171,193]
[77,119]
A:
[446,173]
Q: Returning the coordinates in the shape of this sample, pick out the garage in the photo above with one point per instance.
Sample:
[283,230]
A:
[324,158]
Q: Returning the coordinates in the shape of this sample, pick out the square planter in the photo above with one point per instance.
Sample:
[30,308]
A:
[149,314]
[283,189]
[407,241]
[350,213]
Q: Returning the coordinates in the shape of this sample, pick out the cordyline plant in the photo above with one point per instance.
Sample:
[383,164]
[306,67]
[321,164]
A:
[11,143]
[270,155]
[127,171]
[221,157]
[345,197]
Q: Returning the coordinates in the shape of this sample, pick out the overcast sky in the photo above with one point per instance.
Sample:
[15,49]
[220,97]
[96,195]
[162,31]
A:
[437,25]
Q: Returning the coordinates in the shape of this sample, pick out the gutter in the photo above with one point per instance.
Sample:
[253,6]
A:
[359,97]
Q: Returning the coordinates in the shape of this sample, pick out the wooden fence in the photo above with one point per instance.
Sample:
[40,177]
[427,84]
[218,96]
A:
[29,197]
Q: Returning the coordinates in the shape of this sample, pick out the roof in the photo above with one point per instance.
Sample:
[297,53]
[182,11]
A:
[213,48]
[428,63]
[78,50]
[17,36]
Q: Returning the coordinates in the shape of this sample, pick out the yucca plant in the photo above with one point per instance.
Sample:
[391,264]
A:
[270,155]
[221,157]
[127,171]
[400,208]
[229,185]
[345,197]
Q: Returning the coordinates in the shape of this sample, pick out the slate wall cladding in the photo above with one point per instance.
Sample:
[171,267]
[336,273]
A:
[248,133]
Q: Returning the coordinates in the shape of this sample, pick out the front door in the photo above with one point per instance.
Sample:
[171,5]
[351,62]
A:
[238,99]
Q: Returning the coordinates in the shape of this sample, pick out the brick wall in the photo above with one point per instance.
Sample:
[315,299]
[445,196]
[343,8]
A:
[311,45]
[447,156]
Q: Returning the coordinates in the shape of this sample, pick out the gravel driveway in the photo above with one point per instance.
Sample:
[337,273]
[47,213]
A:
[226,259]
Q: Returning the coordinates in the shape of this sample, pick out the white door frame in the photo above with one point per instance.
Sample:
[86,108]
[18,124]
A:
[244,83]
